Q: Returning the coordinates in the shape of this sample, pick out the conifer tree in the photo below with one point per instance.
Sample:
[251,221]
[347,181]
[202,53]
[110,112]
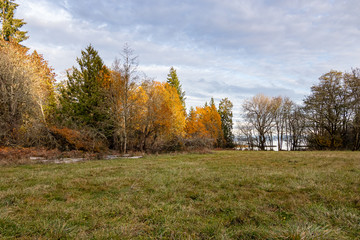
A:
[226,114]
[173,80]
[9,25]
[83,98]
[212,102]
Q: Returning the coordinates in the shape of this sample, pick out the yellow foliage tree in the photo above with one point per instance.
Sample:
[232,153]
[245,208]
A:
[162,115]
[204,123]
[27,93]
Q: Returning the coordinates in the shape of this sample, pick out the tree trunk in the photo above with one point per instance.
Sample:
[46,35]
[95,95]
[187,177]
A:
[125,136]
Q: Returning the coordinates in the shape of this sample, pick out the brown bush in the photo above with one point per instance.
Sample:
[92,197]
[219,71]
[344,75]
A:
[20,155]
[70,139]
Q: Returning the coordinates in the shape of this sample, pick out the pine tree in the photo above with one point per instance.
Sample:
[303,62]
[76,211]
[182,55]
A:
[83,98]
[212,102]
[10,25]
[225,111]
[173,80]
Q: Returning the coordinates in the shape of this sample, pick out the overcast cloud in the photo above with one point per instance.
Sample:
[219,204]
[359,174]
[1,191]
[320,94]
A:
[220,48]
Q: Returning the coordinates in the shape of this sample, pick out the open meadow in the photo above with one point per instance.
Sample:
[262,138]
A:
[222,195]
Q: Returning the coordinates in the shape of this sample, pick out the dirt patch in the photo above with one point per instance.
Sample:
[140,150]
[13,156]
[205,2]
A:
[18,155]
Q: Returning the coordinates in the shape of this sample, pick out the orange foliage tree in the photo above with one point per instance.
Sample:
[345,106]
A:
[125,101]
[162,115]
[204,123]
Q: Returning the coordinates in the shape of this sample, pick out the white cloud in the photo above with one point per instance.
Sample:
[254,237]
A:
[221,48]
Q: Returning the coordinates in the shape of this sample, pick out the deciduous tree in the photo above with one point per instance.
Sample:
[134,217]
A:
[163,115]
[296,125]
[125,71]
[352,80]
[258,113]
[205,123]
[26,94]
[327,110]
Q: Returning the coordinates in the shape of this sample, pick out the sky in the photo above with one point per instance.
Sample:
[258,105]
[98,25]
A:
[220,48]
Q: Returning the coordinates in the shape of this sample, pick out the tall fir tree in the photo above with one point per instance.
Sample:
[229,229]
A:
[173,80]
[226,114]
[9,25]
[83,98]
[212,102]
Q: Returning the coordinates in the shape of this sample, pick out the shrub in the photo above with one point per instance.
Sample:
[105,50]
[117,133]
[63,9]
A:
[70,139]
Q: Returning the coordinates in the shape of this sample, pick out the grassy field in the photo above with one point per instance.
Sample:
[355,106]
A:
[224,195]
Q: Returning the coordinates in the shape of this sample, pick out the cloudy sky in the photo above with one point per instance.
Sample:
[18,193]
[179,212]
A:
[220,48]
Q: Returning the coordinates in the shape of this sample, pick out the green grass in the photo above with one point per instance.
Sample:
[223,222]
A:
[224,195]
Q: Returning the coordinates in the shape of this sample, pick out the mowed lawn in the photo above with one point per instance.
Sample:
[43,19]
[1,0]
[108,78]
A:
[223,195]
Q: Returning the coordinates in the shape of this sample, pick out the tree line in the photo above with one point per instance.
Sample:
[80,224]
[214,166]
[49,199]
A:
[98,107]
[328,119]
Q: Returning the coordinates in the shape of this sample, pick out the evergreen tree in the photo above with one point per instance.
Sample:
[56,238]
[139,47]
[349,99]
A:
[173,80]
[10,25]
[83,98]
[212,102]
[225,111]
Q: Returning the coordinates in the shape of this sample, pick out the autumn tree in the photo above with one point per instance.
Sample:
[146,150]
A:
[162,118]
[191,127]
[226,115]
[125,77]
[204,124]
[10,26]
[26,96]
[212,122]
[173,80]
[83,101]
[15,95]
[44,76]
[195,127]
